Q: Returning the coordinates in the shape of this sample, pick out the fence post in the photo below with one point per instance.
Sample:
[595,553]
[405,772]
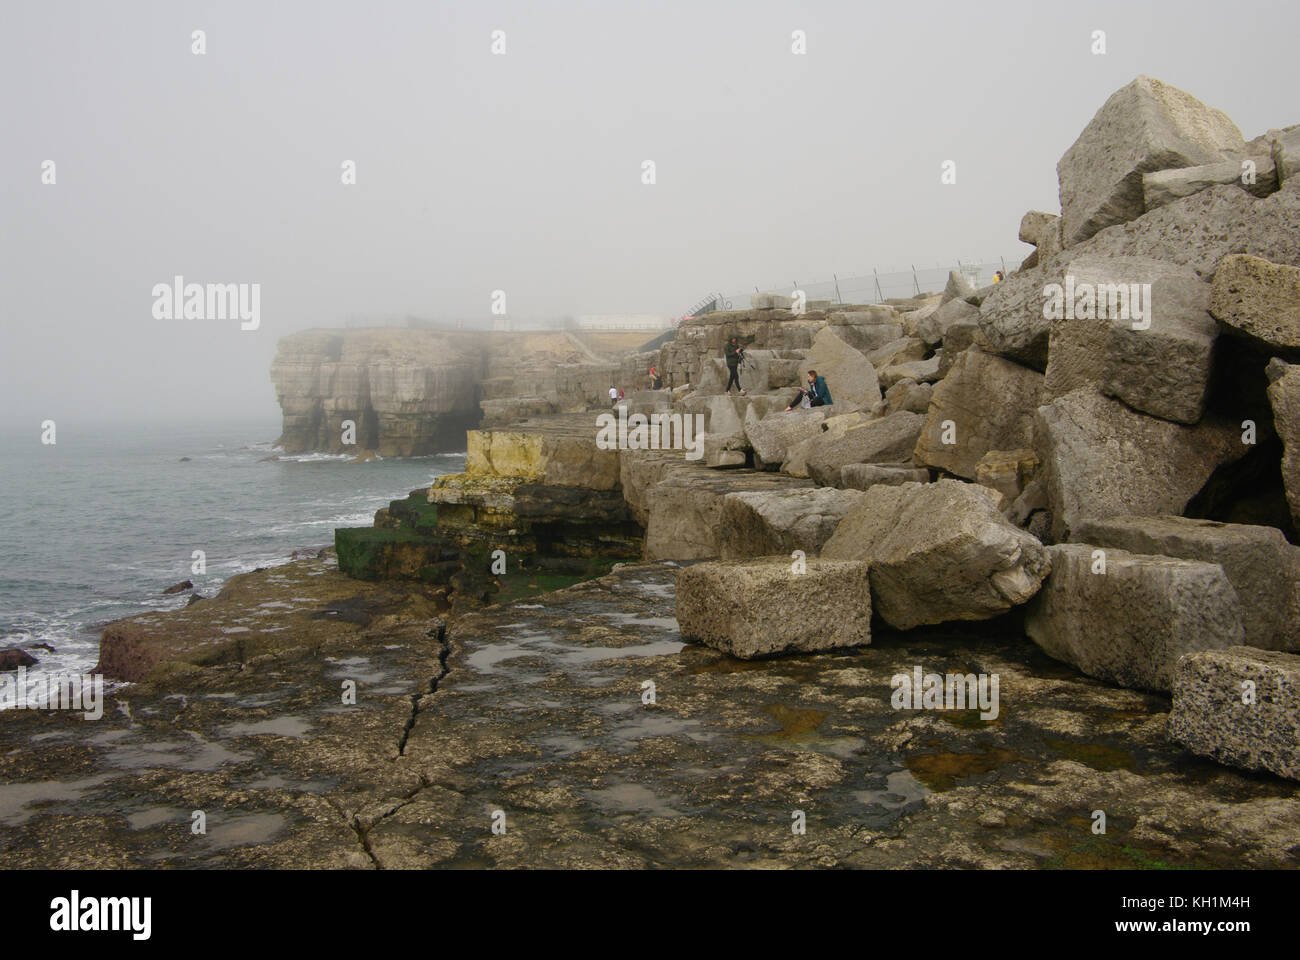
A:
[838,298]
[880,297]
[915,282]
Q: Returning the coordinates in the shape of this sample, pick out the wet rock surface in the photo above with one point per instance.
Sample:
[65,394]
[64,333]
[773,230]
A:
[536,709]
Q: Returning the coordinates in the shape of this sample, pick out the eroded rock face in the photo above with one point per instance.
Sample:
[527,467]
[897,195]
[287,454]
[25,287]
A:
[1144,126]
[1128,622]
[1261,566]
[985,403]
[860,476]
[408,392]
[758,608]
[1098,458]
[939,552]
[1259,301]
[761,523]
[1239,706]
[1166,186]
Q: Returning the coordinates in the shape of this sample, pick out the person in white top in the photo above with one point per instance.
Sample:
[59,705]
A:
[613,396]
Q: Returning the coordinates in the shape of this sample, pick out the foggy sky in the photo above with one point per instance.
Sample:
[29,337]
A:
[522,172]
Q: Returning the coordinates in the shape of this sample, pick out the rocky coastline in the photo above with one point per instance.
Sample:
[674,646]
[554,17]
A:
[582,655]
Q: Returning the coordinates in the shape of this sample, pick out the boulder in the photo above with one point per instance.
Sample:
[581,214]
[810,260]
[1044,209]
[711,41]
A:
[860,476]
[907,394]
[1200,230]
[1284,395]
[1129,621]
[1043,230]
[1163,366]
[1259,563]
[1286,153]
[990,403]
[939,552]
[918,371]
[1241,707]
[772,436]
[1100,459]
[1011,321]
[1166,186]
[957,288]
[757,608]
[762,523]
[15,657]
[959,338]
[932,328]
[903,350]
[1260,302]
[1144,126]
[1006,471]
[850,377]
[866,330]
[887,440]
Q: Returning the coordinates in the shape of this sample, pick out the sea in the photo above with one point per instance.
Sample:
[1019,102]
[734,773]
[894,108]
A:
[95,526]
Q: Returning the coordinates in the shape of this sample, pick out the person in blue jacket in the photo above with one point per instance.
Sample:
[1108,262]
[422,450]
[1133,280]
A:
[818,394]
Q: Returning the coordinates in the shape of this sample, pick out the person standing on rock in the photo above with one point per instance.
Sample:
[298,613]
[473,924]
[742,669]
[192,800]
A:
[817,394]
[613,396]
[734,354]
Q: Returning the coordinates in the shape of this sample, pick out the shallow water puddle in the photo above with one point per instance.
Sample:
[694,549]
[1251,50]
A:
[294,727]
[631,798]
[16,798]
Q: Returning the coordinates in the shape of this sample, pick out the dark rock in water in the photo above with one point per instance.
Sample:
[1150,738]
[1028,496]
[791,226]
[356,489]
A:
[183,460]
[14,658]
[180,587]
[195,598]
[42,646]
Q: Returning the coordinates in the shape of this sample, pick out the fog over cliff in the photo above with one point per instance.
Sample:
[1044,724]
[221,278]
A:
[523,172]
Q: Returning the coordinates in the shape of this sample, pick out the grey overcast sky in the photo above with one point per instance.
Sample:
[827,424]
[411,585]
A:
[522,172]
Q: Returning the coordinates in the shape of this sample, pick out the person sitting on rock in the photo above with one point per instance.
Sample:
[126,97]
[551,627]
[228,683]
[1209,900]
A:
[817,394]
[656,381]
[735,354]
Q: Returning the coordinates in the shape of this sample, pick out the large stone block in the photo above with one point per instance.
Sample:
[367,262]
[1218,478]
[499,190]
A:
[887,440]
[1127,623]
[1284,395]
[1261,566]
[850,377]
[1166,186]
[1241,707]
[860,476]
[771,436]
[766,522]
[989,402]
[1259,301]
[1144,126]
[758,608]
[1098,458]
[939,552]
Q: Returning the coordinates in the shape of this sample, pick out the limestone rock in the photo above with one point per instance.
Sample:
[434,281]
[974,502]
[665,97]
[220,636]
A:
[1284,395]
[1006,471]
[907,394]
[957,288]
[772,436]
[933,327]
[959,338]
[1259,301]
[938,552]
[1100,459]
[991,404]
[918,371]
[1166,186]
[1043,230]
[757,608]
[860,476]
[888,440]
[1145,126]
[850,377]
[1212,715]
[1011,321]
[1129,625]
[770,301]
[762,523]
[1162,368]
[1286,153]
[1261,566]
[902,350]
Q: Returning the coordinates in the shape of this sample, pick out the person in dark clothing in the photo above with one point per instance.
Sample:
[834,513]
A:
[818,394]
[656,381]
[735,355]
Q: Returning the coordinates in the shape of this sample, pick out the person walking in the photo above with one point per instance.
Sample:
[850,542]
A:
[735,355]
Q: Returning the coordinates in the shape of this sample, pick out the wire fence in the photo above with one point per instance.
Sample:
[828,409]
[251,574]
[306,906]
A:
[877,287]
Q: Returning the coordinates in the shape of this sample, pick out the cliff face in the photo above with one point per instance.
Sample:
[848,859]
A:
[409,392]
[412,392]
